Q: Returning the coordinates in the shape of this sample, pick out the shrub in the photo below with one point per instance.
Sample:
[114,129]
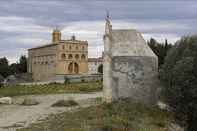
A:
[66,80]
[1,80]
[67,103]
[82,79]
[179,74]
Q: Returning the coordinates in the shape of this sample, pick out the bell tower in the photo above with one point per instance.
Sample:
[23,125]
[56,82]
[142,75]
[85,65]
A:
[56,35]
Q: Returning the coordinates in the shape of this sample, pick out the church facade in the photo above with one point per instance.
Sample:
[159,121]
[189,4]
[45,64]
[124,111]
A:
[60,57]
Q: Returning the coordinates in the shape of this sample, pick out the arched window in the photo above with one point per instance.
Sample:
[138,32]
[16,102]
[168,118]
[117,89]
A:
[70,56]
[63,56]
[83,57]
[83,47]
[63,47]
[77,47]
[70,47]
[76,56]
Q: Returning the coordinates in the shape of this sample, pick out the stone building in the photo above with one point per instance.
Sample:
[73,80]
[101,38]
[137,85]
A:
[94,64]
[130,66]
[60,57]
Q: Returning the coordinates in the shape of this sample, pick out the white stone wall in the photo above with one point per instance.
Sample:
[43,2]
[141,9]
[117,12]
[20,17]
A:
[93,66]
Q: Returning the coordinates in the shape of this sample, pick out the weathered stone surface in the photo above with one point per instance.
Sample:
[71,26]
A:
[134,77]
[30,102]
[175,127]
[129,43]
[130,66]
[6,100]
[163,106]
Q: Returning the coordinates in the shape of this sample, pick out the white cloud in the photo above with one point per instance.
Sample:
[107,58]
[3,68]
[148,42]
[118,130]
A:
[14,54]
[92,31]
[20,25]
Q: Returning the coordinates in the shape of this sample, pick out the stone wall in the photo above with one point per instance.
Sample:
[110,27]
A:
[130,66]
[134,77]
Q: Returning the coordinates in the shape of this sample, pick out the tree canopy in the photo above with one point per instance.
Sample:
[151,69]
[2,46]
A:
[179,75]
[160,49]
[15,68]
[4,67]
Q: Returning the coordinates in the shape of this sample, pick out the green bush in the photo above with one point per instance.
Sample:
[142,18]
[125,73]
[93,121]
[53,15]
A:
[179,74]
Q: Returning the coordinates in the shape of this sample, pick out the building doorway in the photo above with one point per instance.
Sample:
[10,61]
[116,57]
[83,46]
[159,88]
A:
[100,69]
[76,68]
[70,68]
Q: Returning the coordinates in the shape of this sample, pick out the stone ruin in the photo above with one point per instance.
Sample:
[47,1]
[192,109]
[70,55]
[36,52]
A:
[130,66]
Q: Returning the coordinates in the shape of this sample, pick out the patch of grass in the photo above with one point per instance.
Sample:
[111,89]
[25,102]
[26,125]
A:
[123,115]
[66,103]
[53,88]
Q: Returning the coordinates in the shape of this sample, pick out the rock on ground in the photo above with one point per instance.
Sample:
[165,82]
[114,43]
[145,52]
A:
[16,115]
[30,102]
[6,100]
[175,127]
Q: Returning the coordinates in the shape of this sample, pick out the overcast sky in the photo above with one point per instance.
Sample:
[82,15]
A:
[28,23]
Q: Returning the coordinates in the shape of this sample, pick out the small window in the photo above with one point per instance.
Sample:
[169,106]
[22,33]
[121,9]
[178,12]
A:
[63,47]
[83,56]
[70,47]
[63,56]
[77,47]
[83,47]
[76,56]
[70,56]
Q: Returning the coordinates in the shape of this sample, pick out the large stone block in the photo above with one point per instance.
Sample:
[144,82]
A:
[134,77]
[130,66]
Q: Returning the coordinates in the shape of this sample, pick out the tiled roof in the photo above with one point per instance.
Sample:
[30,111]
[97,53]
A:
[43,46]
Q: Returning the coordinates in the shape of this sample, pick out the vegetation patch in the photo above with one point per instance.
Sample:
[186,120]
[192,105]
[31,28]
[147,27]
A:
[123,115]
[53,88]
[179,76]
[66,103]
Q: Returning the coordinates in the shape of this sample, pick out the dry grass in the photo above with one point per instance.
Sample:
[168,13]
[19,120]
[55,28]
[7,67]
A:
[119,116]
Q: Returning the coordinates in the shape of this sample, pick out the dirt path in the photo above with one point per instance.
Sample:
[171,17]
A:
[16,116]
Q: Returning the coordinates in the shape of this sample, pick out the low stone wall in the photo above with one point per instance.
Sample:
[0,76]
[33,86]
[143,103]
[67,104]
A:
[79,78]
[70,78]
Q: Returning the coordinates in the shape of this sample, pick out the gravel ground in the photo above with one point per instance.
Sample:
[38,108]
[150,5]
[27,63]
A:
[15,116]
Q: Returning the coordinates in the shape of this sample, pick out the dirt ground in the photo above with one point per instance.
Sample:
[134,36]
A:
[15,116]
